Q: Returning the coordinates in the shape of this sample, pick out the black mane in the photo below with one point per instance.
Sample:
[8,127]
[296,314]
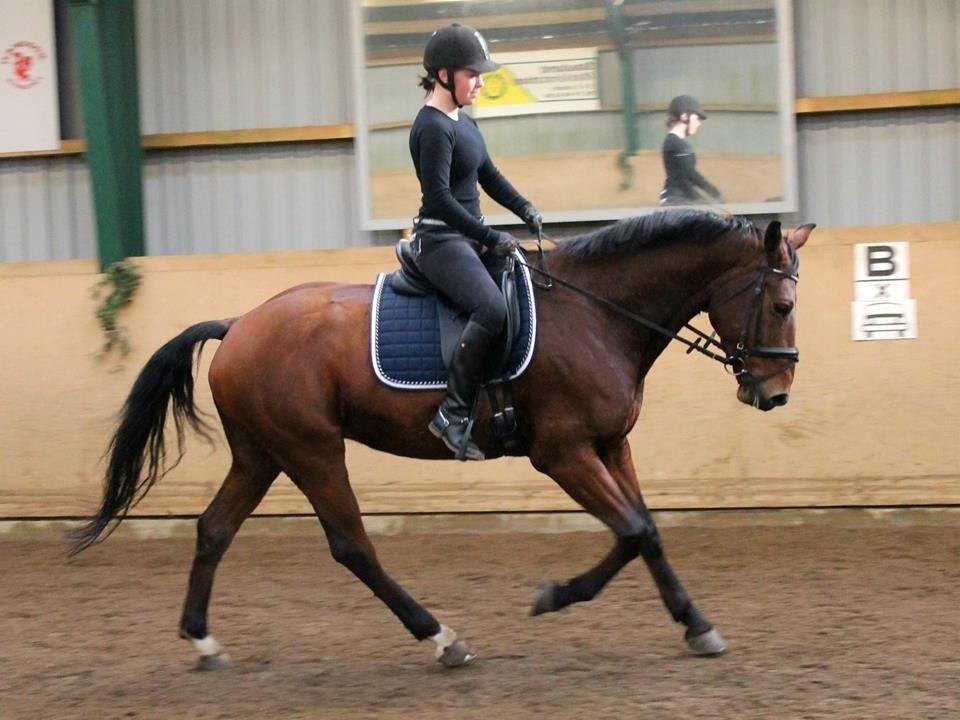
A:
[663,226]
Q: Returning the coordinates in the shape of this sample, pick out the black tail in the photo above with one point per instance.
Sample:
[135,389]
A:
[139,436]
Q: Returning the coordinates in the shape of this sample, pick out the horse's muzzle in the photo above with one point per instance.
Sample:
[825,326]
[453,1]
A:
[777,401]
[749,395]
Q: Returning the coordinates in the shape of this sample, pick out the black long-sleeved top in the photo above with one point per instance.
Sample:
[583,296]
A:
[451,157]
[682,177]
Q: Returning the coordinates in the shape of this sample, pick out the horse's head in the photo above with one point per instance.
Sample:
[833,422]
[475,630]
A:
[753,309]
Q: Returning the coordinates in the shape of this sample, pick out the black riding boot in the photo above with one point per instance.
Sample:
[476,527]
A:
[466,365]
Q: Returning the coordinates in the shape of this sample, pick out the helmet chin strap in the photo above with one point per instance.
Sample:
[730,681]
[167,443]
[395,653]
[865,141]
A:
[449,86]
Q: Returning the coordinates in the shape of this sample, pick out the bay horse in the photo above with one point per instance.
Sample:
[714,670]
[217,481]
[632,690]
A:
[293,378]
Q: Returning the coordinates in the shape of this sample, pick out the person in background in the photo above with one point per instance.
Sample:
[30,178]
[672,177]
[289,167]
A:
[684,182]
[450,158]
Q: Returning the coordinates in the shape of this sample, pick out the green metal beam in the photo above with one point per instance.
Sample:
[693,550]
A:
[618,29]
[104,35]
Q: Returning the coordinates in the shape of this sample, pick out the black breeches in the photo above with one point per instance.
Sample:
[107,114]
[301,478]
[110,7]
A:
[451,263]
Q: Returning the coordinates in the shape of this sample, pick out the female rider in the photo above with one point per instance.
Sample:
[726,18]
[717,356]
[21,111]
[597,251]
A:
[450,158]
[684,118]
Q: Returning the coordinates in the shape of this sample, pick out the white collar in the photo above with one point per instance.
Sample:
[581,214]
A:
[453,114]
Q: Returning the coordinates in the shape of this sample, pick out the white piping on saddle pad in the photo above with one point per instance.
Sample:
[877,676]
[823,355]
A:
[422,384]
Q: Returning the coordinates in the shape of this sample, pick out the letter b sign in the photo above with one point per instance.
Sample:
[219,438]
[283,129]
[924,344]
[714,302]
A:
[881,262]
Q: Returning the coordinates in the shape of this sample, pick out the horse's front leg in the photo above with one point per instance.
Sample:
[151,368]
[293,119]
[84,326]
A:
[586,479]
[607,487]
[700,634]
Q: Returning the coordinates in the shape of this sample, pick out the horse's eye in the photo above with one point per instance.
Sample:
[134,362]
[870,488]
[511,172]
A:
[783,308]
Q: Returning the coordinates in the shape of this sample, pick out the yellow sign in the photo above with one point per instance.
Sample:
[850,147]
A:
[541,81]
[501,88]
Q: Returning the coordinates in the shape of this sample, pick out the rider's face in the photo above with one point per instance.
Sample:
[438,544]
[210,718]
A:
[693,124]
[468,84]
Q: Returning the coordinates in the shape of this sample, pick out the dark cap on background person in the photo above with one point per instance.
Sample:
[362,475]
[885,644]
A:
[686,104]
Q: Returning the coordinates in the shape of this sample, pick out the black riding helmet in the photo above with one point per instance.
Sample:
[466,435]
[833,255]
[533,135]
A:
[453,47]
[686,104]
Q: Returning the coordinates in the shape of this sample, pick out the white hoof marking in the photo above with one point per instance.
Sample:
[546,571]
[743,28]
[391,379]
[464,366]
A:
[207,646]
[444,639]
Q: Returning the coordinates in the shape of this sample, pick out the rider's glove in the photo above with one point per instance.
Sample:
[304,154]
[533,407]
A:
[505,245]
[531,218]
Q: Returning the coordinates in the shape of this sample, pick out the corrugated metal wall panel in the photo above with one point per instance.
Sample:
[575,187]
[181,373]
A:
[287,197]
[46,211]
[880,168]
[12,235]
[229,64]
[735,74]
[872,46]
[222,200]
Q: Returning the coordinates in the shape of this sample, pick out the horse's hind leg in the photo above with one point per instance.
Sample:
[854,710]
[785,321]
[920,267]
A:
[250,476]
[325,483]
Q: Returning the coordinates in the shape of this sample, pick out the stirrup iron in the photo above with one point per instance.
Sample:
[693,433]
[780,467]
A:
[465,449]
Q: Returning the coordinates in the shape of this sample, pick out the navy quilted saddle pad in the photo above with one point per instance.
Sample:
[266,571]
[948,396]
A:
[405,336]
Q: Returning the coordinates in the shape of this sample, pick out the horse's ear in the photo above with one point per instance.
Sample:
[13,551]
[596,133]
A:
[772,238]
[799,236]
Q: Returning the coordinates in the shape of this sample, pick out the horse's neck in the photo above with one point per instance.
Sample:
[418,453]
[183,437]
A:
[668,285]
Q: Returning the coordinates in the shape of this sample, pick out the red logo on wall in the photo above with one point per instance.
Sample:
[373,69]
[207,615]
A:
[23,59]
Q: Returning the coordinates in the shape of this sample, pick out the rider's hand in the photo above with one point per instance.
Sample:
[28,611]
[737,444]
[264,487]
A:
[505,245]
[531,218]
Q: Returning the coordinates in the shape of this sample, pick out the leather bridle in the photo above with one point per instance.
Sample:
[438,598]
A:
[753,317]
[705,344]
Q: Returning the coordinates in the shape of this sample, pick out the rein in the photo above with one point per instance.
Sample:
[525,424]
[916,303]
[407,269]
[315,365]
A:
[703,342]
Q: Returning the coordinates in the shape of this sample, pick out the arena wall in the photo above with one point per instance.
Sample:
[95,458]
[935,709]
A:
[868,424]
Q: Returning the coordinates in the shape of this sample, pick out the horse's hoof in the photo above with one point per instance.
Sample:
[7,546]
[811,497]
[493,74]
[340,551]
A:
[544,601]
[456,655]
[220,661]
[708,643]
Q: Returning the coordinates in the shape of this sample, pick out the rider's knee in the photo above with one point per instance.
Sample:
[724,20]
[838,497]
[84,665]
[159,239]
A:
[492,315]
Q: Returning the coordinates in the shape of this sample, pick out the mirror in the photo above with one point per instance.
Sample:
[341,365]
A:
[577,116]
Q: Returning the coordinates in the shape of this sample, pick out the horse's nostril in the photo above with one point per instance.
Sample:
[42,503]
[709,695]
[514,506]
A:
[780,399]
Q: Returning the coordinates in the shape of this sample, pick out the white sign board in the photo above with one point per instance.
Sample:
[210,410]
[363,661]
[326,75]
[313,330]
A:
[29,111]
[543,81]
[893,320]
[882,306]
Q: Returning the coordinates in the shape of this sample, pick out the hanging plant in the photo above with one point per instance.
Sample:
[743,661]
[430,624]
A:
[122,279]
